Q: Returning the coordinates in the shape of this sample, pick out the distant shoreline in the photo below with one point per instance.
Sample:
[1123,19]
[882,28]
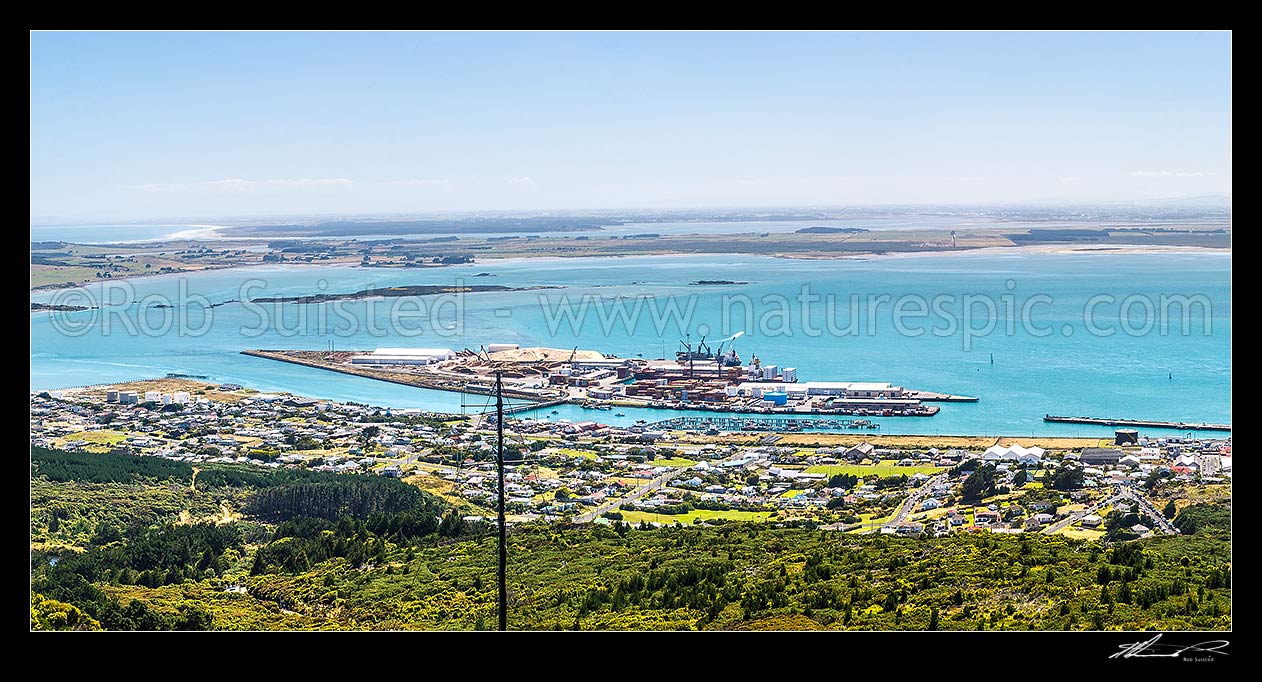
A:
[784,245]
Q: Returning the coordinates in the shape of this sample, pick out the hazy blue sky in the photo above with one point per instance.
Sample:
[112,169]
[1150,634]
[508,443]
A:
[136,125]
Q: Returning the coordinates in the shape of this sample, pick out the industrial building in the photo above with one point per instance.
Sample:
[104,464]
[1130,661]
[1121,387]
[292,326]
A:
[841,389]
[404,356]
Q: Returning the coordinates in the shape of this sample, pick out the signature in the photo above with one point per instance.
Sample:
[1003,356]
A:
[1151,649]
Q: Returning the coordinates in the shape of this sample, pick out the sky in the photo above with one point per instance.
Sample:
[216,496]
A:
[155,124]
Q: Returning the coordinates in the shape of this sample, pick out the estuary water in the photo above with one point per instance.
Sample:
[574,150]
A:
[1104,333]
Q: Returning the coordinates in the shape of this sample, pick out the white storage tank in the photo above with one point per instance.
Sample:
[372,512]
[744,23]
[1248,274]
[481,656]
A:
[153,396]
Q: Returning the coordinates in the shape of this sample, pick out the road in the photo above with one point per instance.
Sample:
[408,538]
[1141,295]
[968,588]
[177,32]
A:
[1149,510]
[1073,518]
[1145,507]
[653,484]
[913,500]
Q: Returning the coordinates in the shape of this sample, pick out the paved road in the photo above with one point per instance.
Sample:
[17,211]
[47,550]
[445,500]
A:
[1073,518]
[913,500]
[653,484]
[1122,493]
[1149,510]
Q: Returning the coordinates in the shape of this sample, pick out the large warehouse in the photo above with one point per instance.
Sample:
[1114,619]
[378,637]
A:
[404,356]
[846,389]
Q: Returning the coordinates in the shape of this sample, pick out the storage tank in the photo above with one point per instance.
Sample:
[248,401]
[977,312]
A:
[1126,437]
[776,397]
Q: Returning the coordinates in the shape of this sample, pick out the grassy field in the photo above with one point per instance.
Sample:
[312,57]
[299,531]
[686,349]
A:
[44,275]
[1185,495]
[1081,533]
[703,514]
[869,521]
[103,437]
[571,452]
[864,470]
[678,462]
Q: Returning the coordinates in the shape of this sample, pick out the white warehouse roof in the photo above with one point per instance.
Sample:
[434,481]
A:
[422,352]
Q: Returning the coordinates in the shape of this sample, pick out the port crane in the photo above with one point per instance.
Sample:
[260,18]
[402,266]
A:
[700,352]
[731,359]
[688,352]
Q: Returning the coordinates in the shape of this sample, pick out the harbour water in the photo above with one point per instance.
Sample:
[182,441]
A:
[1181,375]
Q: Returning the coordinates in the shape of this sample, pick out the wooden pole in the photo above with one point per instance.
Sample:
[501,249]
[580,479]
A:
[499,460]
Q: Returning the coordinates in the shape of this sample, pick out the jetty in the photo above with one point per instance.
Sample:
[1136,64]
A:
[940,397]
[1150,423]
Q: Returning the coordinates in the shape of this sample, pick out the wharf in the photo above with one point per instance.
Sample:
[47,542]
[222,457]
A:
[311,359]
[940,397]
[1182,426]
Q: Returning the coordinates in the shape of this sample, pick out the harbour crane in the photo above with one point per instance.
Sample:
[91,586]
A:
[732,359]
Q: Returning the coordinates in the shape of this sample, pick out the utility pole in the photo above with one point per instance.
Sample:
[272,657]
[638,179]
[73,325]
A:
[499,460]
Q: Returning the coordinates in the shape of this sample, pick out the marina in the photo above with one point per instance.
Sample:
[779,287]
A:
[778,424]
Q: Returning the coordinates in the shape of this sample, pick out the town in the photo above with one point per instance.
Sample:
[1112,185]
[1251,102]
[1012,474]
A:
[587,472]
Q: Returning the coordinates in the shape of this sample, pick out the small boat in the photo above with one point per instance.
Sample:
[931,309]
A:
[619,414]
[555,412]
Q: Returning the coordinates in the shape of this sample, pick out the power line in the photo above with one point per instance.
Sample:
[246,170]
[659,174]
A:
[499,460]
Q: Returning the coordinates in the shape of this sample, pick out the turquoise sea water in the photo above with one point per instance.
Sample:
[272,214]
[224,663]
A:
[1150,375]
